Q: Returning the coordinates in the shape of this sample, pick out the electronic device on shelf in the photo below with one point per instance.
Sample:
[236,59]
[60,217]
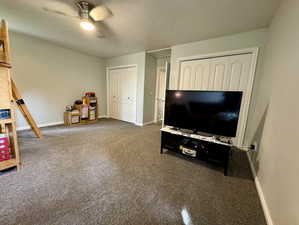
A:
[196,147]
[213,112]
[211,116]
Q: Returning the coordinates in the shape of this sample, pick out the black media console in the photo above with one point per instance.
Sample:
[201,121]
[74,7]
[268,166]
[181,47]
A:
[196,146]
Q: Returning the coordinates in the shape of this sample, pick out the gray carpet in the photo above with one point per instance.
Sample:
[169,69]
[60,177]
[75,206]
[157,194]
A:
[111,172]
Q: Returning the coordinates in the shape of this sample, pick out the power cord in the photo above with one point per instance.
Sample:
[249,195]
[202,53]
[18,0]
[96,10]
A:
[247,148]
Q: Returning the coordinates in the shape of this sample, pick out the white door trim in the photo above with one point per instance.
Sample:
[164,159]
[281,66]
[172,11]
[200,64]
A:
[253,51]
[156,94]
[157,88]
[108,69]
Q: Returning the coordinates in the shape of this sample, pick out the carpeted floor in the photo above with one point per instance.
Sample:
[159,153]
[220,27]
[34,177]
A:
[112,173]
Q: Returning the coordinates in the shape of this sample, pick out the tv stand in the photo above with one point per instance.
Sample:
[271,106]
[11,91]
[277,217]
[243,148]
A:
[186,131]
[204,134]
[194,145]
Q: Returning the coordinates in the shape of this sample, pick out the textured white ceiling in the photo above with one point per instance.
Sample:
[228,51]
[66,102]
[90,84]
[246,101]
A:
[138,25]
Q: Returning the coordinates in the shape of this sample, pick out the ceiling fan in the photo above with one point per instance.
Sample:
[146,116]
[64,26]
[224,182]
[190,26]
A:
[87,12]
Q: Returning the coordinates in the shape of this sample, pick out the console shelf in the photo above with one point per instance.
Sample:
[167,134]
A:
[194,136]
[196,146]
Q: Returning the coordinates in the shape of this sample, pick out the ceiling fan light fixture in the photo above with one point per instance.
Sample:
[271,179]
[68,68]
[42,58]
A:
[87,25]
[100,13]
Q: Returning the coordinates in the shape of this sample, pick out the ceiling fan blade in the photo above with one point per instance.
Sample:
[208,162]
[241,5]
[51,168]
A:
[60,8]
[100,35]
[100,13]
[56,12]
[99,31]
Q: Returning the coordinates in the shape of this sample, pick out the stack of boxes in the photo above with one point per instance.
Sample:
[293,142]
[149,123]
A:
[83,111]
[91,101]
[4,148]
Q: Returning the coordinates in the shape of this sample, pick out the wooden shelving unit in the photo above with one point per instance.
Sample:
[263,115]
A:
[92,103]
[5,121]
[83,123]
[7,126]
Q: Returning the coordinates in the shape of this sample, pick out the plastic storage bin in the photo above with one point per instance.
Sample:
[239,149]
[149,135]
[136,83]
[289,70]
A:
[4,148]
[4,114]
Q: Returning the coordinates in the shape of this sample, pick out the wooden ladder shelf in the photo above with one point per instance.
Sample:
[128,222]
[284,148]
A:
[24,110]
[9,98]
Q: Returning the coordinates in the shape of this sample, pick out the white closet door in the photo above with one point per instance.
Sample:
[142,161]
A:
[161,90]
[128,94]
[122,94]
[230,73]
[114,94]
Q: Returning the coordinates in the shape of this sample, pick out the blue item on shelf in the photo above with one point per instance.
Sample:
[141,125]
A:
[4,114]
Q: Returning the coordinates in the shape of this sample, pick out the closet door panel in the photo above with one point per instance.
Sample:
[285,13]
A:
[132,93]
[122,94]
[230,73]
[128,94]
[186,76]
[194,75]
[240,81]
[113,94]
[218,73]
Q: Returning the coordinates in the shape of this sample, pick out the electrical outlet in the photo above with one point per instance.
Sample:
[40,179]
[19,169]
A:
[255,146]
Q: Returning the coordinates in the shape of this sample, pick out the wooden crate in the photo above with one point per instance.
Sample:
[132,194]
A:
[68,118]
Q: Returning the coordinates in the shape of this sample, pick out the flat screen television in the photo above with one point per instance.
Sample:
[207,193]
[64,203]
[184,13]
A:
[212,112]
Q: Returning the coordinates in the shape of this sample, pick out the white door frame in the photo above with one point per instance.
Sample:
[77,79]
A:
[253,51]
[157,89]
[108,69]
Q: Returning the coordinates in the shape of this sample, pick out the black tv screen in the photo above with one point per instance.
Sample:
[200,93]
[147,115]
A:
[213,112]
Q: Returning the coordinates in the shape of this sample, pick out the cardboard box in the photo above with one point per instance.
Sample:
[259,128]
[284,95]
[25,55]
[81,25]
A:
[75,119]
[70,118]
[92,115]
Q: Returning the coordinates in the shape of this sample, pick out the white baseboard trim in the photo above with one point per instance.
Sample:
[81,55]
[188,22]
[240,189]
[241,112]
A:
[144,124]
[50,124]
[40,125]
[148,123]
[260,192]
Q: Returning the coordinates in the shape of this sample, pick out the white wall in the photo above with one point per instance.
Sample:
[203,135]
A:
[139,60]
[255,38]
[149,89]
[274,118]
[50,77]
